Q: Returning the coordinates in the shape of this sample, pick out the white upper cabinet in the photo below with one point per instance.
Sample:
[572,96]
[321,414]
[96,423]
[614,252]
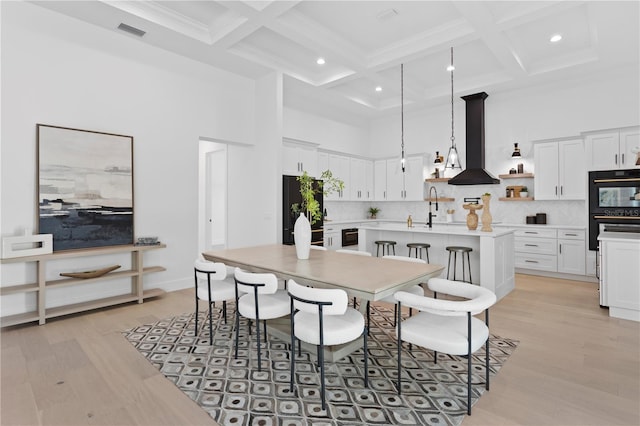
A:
[368,181]
[395,180]
[414,179]
[356,189]
[380,180]
[340,166]
[407,186]
[617,149]
[299,157]
[559,170]
[361,184]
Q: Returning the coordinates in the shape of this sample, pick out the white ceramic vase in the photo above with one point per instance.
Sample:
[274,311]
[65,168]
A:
[302,236]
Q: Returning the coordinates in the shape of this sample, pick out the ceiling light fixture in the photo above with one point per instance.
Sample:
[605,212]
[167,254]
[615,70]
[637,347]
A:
[320,61]
[402,159]
[453,159]
[378,89]
[555,38]
[516,151]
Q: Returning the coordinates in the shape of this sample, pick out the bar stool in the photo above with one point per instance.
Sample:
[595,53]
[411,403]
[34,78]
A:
[419,247]
[455,250]
[385,244]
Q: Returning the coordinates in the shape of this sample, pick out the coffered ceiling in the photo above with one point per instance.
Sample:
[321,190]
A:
[498,45]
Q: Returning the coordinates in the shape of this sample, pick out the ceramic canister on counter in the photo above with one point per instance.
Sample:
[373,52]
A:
[541,218]
[531,220]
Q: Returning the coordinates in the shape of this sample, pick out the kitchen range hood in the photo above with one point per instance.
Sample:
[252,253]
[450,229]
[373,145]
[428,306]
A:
[475,174]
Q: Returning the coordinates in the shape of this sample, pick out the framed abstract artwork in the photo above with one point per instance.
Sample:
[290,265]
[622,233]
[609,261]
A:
[85,187]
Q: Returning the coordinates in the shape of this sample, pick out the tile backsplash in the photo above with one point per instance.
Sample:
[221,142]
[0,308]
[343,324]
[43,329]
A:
[558,212]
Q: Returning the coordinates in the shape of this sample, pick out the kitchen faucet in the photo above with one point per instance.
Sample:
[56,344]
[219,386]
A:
[431,215]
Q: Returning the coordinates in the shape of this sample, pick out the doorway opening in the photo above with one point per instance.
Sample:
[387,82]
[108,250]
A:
[212,229]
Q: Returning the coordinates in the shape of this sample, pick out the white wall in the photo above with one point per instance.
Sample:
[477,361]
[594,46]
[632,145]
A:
[57,70]
[329,134]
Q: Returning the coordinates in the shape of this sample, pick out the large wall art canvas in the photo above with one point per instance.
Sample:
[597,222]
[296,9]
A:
[85,187]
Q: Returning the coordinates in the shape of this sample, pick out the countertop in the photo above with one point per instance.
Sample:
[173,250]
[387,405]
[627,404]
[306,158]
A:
[438,228]
[619,236]
[416,224]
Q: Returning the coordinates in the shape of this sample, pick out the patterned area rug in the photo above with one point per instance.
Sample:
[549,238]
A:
[233,392]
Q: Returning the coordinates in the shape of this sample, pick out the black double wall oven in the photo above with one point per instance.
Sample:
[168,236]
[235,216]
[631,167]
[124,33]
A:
[614,202]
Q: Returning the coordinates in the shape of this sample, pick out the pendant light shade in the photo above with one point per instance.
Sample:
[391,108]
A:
[516,151]
[453,159]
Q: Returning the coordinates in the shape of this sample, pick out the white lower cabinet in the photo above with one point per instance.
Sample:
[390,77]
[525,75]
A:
[619,274]
[332,237]
[536,249]
[551,250]
[571,252]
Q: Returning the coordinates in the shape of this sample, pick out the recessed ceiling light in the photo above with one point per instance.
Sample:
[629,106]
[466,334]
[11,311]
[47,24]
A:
[450,68]
[555,38]
[320,61]
[378,89]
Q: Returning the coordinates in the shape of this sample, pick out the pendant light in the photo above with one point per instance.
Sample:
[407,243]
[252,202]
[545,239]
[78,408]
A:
[453,159]
[402,159]
[516,151]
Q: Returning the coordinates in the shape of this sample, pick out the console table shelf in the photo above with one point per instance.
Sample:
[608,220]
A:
[135,273]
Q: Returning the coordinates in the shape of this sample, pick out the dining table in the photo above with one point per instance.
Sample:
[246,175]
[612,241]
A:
[367,278]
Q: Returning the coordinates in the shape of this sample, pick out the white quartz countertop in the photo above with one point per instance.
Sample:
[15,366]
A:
[619,236]
[438,228]
[370,222]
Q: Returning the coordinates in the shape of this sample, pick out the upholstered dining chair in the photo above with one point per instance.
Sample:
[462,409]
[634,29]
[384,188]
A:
[356,252]
[447,326]
[415,289]
[321,317]
[262,300]
[212,285]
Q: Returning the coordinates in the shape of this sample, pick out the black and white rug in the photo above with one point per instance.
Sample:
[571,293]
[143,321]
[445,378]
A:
[233,392]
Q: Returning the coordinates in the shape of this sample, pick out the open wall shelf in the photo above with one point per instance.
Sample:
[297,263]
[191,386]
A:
[40,287]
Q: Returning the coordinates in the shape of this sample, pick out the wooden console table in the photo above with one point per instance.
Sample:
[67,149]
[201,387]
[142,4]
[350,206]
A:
[42,285]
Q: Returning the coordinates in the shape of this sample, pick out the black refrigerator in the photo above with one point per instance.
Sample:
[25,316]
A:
[291,195]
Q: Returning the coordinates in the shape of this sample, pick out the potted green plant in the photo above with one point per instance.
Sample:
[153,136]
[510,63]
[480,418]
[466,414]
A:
[524,192]
[310,206]
[309,209]
[373,212]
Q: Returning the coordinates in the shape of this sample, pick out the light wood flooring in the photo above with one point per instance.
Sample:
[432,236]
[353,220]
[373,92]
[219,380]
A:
[574,365]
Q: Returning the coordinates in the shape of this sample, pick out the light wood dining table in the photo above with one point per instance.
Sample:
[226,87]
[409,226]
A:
[364,277]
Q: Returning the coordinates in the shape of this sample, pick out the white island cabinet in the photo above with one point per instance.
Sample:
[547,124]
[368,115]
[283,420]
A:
[620,274]
[492,258]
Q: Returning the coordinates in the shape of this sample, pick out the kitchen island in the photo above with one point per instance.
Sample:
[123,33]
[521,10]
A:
[492,258]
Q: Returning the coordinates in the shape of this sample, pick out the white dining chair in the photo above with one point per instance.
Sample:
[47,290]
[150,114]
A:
[447,326]
[258,298]
[212,285]
[359,253]
[321,317]
[415,289]
[356,252]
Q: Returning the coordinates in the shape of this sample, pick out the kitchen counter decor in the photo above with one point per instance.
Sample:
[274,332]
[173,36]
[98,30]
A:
[472,217]
[486,213]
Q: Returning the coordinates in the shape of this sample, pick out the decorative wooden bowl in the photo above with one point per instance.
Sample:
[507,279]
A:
[90,274]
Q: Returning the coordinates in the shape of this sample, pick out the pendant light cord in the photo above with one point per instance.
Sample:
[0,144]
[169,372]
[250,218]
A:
[452,136]
[402,113]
